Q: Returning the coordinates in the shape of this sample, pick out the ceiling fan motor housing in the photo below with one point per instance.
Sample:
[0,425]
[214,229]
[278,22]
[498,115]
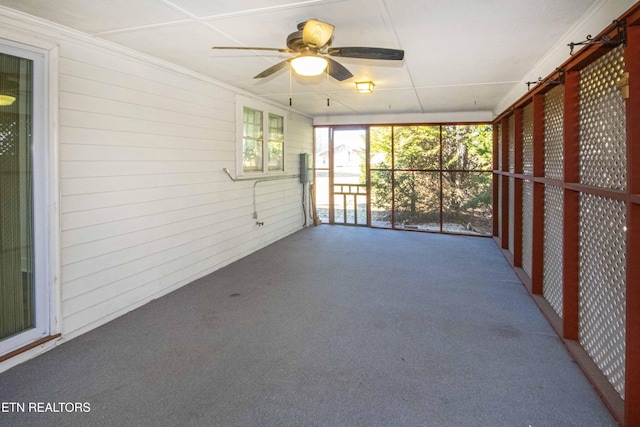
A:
[294,41]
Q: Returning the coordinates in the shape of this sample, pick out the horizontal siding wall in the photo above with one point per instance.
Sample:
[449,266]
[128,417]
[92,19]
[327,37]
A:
[144,204]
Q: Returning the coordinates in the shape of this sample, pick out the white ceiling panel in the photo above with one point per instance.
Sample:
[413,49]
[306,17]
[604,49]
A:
[462,98]
[184,43]
[98,16]
[460,55]
[479,42]
[209,8]
[357,23]
[397,101]
[312,103]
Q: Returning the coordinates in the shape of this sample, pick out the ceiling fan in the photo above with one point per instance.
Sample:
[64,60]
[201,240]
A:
[312,46]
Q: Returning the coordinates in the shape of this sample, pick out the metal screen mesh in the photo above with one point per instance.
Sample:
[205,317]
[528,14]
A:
[602,289]
[499,127]
[527,226]
[511,212]
[554,132]
[602,123]
[500,207]
[552,258]
[527,139]
[512,143]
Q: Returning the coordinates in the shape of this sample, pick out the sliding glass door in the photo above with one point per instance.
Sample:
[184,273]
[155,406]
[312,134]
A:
[23,237]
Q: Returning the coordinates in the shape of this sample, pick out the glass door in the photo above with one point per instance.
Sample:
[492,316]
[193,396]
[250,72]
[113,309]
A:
[23,255]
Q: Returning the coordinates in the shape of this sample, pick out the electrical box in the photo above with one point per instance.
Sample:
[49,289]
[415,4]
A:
[306,168]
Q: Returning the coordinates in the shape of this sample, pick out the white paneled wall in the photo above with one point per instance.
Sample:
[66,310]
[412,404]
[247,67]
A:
[144,205]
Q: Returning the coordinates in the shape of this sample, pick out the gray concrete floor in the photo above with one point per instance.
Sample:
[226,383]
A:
[332,326]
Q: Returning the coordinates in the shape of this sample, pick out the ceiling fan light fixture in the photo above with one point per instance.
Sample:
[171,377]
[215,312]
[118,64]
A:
[7,100]
[309,65]
[365,87]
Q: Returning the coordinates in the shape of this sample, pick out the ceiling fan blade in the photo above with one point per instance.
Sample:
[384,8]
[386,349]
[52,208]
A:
[316,33]
[253,48]
[279,66]
[337,70]
[367,53]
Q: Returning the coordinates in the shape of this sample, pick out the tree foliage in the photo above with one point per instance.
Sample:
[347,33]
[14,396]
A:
[428,164]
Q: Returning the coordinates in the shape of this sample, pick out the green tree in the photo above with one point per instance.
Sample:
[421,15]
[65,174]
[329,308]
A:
[414,163]
[467,195]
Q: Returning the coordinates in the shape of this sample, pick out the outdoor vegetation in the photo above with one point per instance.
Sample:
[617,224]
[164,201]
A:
[435,177]
[417,171]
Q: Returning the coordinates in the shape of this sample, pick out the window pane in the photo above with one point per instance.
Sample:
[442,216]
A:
[276,156]
[349,155]
[416,147]
[381,198]
[467,147]
[252,141]
[466,202]
[252,155]
[16,197]
[321,165]
[321,187]
[321,148]
[338,209]
[380,148]
[276,142]
[417,200]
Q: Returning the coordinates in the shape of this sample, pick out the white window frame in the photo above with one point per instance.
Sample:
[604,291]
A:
[44,198]
[266,109]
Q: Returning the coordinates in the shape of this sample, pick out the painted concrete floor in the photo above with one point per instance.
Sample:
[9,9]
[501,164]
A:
[331,326]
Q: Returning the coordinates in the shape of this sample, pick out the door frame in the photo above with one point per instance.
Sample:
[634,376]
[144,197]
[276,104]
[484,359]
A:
[45,194]
[332,130]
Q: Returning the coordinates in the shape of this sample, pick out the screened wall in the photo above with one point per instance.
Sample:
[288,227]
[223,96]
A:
[413,177]
[566,187]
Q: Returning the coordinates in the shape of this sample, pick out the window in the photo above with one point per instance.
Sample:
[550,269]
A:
[260,156]
[252,141]
[276,143]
